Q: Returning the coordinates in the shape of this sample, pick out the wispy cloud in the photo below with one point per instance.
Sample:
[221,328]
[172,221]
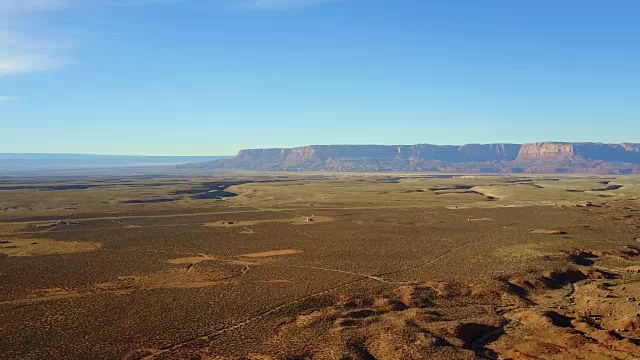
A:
[281,4]
[23,49]
[24,64]
[22,54]
[7,98]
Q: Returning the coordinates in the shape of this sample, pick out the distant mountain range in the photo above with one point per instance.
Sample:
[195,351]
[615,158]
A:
[537,158]
[44,159]
[32,163]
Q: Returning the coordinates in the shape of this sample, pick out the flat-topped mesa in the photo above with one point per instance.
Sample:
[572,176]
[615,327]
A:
[583,151]
[544,157]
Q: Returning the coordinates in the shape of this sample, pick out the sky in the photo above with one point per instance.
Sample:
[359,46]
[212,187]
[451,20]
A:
[198,77]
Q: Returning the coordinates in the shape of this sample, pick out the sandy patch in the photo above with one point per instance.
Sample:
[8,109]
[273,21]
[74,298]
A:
[307,220]
[272,253]
[36,247]
[548,232]
[191,260]
[275,281]
[522,251]
[301,220]
[488,191]
[45,295]
[480,219]
[8,228]
[632,269]
[260,357]
[171,279]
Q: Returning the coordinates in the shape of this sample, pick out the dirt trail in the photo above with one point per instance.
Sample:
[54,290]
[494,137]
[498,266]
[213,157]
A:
[367,276]
[255,210]
[183,278]
[455,248]
[208,336]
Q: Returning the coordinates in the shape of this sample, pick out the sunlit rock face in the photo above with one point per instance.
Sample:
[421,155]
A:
[544,157]
[587,151]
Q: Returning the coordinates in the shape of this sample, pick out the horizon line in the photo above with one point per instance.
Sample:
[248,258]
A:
[308,145]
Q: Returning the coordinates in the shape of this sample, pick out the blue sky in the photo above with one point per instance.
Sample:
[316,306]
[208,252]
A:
[196,77]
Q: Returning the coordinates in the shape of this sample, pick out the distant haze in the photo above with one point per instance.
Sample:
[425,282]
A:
[26,164]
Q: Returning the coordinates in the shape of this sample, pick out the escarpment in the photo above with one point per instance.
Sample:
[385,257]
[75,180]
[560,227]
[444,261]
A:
[543,157]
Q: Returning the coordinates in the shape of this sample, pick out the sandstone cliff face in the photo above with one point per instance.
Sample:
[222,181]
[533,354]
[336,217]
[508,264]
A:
[546,150]
[355,151]
[546,157]
[321,152]
[264,154]
[626,153]
[490,152]
[631,147]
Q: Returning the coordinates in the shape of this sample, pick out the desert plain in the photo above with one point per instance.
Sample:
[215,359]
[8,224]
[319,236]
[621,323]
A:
[320,266]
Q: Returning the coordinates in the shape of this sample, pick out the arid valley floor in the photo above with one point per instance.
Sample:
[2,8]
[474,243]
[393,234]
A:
[320,266]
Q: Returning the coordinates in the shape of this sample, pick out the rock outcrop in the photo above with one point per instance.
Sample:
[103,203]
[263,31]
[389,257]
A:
[545,157]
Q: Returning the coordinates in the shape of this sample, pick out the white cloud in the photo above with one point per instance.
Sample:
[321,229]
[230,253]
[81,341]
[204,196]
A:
[24,64]
[28,49]
[22,54]
[7,98]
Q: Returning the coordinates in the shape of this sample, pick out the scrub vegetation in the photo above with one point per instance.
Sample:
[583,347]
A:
[320,266]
